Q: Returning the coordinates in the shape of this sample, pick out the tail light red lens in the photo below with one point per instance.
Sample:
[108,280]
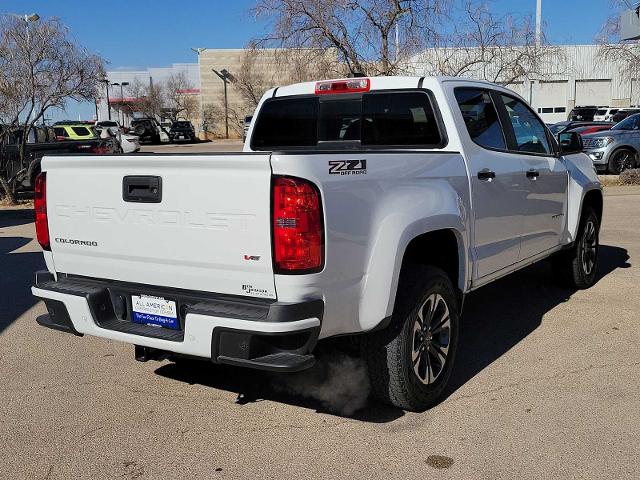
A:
[40,208]
[100,150]
[298,233]
[351,85]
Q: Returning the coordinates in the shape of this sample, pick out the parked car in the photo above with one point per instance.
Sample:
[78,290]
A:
[108,124]
[182,131]
[42,141]
[567,126]
[585,113]
[75,132]
[617,149]
[245,126]
[605,114]
[149,130]
[624,113]
[127,143]
[371,217]
[585,130]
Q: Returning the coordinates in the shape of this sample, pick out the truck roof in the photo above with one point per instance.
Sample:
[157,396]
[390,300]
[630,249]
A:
[381,83]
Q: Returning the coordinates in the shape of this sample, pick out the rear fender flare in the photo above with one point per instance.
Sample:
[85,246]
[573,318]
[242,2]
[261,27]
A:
[394,234]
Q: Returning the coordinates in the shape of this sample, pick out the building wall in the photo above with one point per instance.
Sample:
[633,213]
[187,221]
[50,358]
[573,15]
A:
[155,75]
[212,87]
[578,76]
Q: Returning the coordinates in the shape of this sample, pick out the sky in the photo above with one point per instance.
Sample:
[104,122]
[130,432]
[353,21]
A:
[137,34]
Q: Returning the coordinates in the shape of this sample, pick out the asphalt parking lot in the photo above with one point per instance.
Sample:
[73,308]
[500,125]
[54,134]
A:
[545,386]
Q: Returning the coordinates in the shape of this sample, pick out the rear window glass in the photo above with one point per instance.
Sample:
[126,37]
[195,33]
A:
[181,125]
[399,119]
[287,122]
[371,119]
[60,132]
[81,130]
[480,117]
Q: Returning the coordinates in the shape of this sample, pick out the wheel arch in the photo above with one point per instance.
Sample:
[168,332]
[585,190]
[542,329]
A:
[593,198]
[445,248]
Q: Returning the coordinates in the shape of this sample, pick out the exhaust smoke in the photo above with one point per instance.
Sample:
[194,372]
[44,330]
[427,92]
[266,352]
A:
[338,381]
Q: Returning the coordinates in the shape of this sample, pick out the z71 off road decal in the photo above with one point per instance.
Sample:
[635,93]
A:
[347,167]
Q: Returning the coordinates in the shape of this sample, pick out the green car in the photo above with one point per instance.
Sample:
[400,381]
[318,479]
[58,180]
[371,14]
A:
[74,132]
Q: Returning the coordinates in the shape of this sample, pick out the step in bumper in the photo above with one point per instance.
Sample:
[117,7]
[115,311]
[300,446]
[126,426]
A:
[271,336]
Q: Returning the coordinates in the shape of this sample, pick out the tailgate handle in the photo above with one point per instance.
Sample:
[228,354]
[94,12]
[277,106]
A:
[142,189]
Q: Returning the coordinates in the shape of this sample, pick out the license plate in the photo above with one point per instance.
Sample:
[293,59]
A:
[154,311]
[181,137]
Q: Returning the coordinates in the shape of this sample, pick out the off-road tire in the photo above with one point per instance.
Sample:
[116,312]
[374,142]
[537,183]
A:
[140,131]
[570,266]
[388,353]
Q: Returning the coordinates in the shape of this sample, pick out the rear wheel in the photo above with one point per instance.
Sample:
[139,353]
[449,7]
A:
[622,160]
[577,267]
[410,361]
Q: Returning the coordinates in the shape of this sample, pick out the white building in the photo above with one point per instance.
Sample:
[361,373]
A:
[577,77]
[152,75]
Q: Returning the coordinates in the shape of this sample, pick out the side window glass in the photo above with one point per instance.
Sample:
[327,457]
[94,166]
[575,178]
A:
[480,117]
[529,131]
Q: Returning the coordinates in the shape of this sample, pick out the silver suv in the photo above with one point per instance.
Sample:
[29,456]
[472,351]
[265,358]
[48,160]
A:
[617,149]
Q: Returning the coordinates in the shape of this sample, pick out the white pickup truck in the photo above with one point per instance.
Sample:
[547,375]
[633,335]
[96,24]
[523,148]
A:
[364,206]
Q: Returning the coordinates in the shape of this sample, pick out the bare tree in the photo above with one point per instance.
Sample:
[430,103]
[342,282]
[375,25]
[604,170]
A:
[474,42]
[149,98]
[178,96]
[626,53]
[361,31]
[41,67]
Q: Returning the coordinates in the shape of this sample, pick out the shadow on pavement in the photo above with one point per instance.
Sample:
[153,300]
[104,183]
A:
[14,221]
[255,386]
[496,318]
[500,315]
[16,278]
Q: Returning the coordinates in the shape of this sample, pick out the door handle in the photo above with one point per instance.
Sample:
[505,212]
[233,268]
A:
[533,174]
[142,189]
[486,175]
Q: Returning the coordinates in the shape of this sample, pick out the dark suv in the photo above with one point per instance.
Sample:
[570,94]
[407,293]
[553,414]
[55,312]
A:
[147,129]
[182,131]
[584,114]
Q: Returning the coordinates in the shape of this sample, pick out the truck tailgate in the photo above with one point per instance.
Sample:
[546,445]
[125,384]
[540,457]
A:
[210,230]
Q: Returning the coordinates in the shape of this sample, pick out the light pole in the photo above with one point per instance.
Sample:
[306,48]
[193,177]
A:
[121,85]
[116,84]
[225,76]
[106,83]
[538,23]
[202,122]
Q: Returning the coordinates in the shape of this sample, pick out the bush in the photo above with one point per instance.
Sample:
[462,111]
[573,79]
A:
[630,177]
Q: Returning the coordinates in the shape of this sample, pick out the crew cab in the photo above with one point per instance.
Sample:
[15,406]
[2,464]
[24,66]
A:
[366,207]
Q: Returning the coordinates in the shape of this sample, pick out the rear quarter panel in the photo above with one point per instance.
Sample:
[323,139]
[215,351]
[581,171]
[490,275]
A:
[369,220]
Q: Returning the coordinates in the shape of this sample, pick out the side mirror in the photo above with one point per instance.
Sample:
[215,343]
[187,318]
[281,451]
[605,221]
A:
[570,142]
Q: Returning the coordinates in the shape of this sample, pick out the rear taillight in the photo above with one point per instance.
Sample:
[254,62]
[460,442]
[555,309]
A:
[102,150]
[40,208]
[298,236]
